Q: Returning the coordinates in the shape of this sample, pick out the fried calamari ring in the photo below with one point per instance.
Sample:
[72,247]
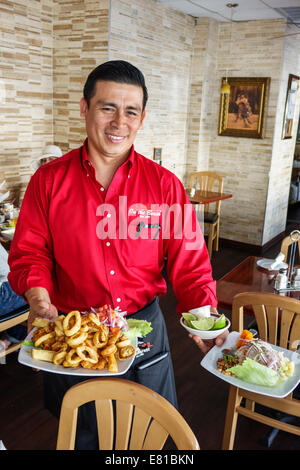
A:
[126,352]
[68,330]
[123,342]
[94,319]
[100,338]
[77,339]
[73,358]
[44,338]
[58,322]
[108,350]
[87,354]
[59,357]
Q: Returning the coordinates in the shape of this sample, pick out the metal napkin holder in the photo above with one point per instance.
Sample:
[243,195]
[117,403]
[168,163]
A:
[293,276]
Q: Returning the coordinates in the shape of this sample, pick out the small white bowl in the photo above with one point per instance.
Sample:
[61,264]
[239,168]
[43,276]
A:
[205,334]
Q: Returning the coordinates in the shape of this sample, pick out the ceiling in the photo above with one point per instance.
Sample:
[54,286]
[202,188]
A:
[246,10]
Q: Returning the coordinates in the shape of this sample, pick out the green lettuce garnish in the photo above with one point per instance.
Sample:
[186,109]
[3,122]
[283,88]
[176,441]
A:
[138,328]
[255,373]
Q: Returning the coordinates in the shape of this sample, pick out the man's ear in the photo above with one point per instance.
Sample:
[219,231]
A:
[83,108]
[142,119]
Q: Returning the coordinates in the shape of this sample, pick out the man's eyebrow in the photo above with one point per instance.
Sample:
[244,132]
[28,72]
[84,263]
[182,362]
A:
[108,103]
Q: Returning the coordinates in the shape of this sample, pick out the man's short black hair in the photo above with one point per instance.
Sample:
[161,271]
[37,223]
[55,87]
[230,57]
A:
[118,71]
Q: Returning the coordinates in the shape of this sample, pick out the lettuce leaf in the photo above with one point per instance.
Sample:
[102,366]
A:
[138,328]
[255,373]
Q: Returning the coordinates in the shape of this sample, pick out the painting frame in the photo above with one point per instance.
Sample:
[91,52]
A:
[243,109]
[290,105]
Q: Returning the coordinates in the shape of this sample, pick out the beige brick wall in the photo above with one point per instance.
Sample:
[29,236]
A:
[157,40]
[80,44]
[26,50]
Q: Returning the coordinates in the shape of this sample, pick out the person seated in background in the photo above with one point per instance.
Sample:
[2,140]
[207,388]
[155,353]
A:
[50,152]
[9,301]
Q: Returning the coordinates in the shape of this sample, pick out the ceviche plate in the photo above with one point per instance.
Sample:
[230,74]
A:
[26,359]
[209,362]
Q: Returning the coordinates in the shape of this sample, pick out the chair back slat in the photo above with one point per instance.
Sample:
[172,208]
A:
[287,317]
[123,424]
[156,437]
[295,334]
[272,320]
[261,320]
[140,425]
[105,419]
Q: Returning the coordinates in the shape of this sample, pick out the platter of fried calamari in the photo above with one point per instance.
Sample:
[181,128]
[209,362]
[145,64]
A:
[95,343]
[249,363]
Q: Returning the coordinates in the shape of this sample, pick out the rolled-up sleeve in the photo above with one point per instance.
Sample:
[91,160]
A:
[30,256]
[188,264]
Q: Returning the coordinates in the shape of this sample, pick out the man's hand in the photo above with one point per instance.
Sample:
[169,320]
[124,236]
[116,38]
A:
[206,344]
[40,305]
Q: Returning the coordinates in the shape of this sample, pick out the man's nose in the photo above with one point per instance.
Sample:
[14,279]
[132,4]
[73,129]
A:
[119,118]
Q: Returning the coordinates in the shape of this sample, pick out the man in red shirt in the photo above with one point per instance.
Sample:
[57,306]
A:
[97,225]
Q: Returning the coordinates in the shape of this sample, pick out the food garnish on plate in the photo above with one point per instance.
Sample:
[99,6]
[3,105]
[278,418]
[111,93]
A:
[93,340]
[255,361]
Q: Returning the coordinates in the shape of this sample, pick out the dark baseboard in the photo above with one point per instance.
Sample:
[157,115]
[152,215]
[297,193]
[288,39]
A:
[255,250]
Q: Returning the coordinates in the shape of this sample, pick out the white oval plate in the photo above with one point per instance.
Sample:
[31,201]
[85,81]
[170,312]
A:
[26,359]
[209,362]
[266,264]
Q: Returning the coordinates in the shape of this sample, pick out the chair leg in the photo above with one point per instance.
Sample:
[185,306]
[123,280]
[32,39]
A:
[210,240]
[216,240]
[231,418]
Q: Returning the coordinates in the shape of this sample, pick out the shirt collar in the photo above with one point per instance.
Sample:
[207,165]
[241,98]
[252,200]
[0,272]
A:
[87,163]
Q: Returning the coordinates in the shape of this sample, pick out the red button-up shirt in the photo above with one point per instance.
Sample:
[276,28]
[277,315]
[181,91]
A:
[89,246]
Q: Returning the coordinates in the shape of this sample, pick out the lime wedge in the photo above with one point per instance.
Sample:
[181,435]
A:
[205,324]
[220,322]
[188,318]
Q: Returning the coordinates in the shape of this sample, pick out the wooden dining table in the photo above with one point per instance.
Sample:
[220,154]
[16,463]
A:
[247,277]
[207,197]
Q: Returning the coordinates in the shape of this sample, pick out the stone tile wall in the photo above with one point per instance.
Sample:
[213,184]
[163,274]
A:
[158,40]
[26,51]
[80,44]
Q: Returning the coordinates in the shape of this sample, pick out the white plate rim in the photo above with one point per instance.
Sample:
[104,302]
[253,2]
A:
[264,262]
[281,391]
[26,359]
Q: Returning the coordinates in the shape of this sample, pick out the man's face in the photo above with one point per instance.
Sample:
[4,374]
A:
[113,118]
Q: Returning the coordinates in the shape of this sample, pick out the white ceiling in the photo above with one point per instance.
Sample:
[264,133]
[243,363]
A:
[245,11]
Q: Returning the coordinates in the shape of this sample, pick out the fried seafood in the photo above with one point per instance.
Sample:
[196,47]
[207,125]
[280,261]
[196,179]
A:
[77,340]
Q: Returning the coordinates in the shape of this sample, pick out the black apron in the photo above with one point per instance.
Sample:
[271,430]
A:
[152,367]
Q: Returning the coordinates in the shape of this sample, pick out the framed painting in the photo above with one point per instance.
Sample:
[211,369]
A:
[289,110]
[242,110]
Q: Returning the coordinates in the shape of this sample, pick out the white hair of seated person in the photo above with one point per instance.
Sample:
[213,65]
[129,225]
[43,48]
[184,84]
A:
[50,152]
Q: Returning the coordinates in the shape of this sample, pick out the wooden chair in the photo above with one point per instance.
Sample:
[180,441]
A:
[285,246]
[144,419]
[16,317]
[267,309]
[210,181]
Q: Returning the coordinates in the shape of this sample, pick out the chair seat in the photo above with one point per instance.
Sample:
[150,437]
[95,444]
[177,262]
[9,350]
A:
[210,218]
[14,313]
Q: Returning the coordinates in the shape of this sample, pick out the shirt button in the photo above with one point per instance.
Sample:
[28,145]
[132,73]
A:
[108,215]
[112,272]
[118,299]
[101,189]
[107,244]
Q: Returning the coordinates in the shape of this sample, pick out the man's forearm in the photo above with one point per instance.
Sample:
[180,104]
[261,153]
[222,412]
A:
[37,294]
